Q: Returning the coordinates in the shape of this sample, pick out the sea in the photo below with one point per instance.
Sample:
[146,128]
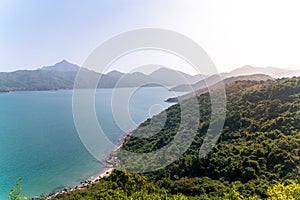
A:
[40,144]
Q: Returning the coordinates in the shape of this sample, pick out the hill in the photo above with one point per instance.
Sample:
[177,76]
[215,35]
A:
[256,157]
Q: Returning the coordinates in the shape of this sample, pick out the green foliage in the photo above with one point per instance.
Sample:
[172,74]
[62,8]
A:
[281,191]
[259,147]
[277,191]
[122,185]
[15,192]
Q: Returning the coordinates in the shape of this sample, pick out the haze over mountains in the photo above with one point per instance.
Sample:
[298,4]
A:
[271,71]
[213,82]
[244,72]
[62,76]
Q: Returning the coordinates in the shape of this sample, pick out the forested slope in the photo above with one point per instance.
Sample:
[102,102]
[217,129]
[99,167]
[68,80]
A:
[257,152]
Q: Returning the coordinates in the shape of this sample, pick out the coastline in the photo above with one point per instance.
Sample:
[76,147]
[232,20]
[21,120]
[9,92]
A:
[83,185]
[109,160]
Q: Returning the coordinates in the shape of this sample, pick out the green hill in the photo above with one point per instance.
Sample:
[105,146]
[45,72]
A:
[255,156]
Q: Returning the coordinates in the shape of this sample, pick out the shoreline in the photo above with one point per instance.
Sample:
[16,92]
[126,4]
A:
[109,160]
[83,185]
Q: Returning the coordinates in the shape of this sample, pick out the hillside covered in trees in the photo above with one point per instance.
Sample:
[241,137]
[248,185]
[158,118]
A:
[256,156]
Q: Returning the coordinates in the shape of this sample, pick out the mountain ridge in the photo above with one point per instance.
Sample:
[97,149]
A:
[62,75]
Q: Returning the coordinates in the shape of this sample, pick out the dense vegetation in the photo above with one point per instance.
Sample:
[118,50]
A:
[124,185]
[256,157]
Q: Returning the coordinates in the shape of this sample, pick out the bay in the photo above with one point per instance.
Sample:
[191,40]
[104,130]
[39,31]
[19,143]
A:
[39,141]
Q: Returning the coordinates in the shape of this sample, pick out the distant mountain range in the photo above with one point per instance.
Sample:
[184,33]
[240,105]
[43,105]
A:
[62,76]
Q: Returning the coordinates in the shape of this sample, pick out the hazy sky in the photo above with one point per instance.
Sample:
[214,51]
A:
[234,33]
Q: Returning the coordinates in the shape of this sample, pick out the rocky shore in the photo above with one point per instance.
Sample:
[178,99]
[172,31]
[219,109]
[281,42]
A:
[112,160]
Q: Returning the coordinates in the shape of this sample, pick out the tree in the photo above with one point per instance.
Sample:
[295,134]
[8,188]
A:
[15,192]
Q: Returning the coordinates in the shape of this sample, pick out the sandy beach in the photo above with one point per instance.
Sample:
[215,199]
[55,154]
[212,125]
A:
[91,181]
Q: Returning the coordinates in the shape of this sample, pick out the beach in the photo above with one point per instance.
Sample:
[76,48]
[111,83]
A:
[91,181]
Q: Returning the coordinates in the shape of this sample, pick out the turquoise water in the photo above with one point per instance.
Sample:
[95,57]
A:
[39,142]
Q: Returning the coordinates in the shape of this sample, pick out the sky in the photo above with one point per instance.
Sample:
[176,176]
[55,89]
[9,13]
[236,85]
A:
[234,33]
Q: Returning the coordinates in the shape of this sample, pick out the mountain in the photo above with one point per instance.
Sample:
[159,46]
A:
[62,76]
[59,76]
[171,77]
[35,80]
[161,77]
[116,74]
[63,66]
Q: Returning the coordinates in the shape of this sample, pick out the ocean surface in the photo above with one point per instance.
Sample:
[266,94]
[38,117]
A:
[40,144]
